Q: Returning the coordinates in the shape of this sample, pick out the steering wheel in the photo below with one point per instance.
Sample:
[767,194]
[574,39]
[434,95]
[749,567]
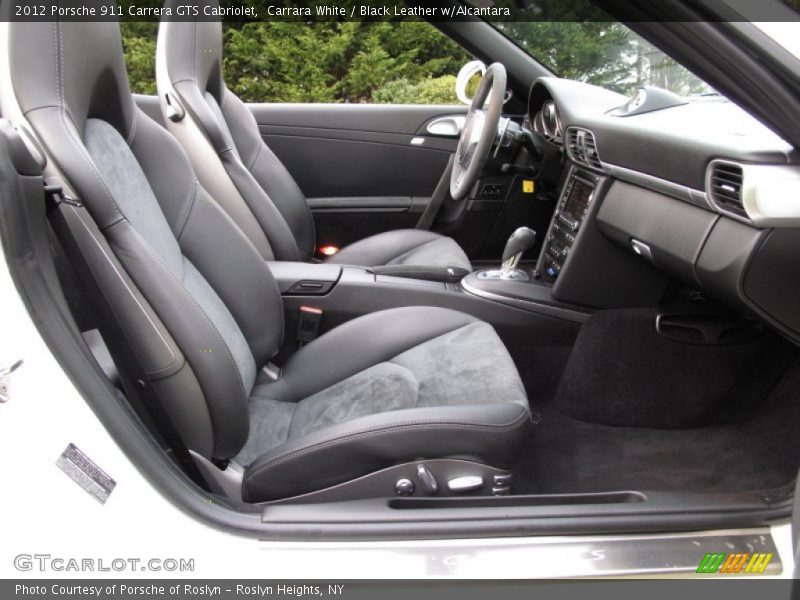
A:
[479,131]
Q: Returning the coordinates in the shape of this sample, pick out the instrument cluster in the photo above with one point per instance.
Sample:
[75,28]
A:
[547,123]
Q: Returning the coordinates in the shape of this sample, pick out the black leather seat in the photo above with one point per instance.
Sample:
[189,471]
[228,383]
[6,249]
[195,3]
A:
[389,387]
[218,126]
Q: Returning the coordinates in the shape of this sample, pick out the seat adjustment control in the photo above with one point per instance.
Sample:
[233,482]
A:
[503,480]
[467,483]
[404,487]
[501,484]
[427,479]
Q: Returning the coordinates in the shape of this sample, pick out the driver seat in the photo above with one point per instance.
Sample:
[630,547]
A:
[266,203]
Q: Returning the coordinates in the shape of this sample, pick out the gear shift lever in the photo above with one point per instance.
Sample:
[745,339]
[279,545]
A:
[520,241]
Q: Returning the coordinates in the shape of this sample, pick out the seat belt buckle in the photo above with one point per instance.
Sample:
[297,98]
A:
[55,193]
[271,371]
[309,319]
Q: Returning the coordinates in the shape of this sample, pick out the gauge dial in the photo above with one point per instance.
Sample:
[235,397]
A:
[538,124]
[550,120]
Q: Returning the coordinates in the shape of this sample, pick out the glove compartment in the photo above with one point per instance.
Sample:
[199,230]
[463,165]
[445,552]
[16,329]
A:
[667,232]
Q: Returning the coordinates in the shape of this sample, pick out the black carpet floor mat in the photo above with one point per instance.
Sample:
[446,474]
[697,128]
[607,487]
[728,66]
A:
[758,452]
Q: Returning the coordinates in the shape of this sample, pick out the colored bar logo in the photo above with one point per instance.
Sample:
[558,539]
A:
[731,564]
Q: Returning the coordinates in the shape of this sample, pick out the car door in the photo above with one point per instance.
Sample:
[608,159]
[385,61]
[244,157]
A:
[364,168]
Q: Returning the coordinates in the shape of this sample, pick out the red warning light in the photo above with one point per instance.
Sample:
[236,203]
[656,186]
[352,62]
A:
[328,250]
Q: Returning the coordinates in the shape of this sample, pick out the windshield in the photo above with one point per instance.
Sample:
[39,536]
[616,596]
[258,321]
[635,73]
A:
[576,41]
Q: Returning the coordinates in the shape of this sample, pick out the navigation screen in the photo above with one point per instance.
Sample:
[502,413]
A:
[578,200]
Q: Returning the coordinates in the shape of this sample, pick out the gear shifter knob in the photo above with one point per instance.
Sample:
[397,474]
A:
[520,241]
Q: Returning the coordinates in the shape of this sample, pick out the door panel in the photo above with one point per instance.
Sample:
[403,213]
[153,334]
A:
[357,164]
[325,167]
[342,220]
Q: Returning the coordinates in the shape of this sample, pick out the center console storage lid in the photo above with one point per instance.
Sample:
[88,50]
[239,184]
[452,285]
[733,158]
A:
[289,274]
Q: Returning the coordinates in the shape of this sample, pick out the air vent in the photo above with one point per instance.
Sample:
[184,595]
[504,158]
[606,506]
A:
[725,187]
[582,148]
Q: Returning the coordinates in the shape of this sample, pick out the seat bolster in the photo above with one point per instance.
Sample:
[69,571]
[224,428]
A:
[208,352]
[269,217]
[490,434]
[270,174]
[400,247]
[227,259]
[357,345]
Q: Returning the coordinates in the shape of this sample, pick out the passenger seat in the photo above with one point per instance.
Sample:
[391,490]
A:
[222,138]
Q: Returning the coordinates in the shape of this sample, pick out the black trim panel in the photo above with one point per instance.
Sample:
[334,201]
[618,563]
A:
[379,118]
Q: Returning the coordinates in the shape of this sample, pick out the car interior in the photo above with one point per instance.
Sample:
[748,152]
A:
[557,296]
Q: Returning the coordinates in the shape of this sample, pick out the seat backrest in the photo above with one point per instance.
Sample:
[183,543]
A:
[189,66]
[187,262]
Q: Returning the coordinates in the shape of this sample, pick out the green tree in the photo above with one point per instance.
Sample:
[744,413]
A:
[592,52]
[293,61]
[333,62]
[434,90]
[411,61]
[139,43]
[576,40]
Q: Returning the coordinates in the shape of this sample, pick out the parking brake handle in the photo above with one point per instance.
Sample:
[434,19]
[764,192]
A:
[444,274]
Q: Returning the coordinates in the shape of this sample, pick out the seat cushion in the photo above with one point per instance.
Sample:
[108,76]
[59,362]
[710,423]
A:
[418,247]
[429,383]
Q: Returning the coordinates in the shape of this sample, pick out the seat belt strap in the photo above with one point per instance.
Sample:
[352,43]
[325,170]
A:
[441,192]
[144,398]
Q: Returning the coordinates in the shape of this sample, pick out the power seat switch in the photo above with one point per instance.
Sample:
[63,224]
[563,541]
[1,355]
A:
[427,479]
[308,323]
[501,484]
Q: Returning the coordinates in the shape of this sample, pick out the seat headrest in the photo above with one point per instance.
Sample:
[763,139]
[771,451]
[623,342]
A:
[193,49]
[77,66]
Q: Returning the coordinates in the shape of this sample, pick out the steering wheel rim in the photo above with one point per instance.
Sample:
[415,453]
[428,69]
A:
[479,131]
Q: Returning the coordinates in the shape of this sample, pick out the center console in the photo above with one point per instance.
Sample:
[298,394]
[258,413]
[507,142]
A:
[521,303]
[579,266]
[535,289]
[335,294]
[572,208]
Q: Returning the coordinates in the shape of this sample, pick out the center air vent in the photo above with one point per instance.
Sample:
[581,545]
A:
[725,187]
[582,147]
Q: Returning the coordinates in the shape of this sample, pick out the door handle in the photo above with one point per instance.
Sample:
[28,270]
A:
[449,126]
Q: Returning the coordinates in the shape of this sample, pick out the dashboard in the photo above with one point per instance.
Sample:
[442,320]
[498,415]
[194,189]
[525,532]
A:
[705,151]
[693,190]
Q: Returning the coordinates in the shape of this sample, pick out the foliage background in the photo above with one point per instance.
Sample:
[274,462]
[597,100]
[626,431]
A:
[410,61]
[405,62]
